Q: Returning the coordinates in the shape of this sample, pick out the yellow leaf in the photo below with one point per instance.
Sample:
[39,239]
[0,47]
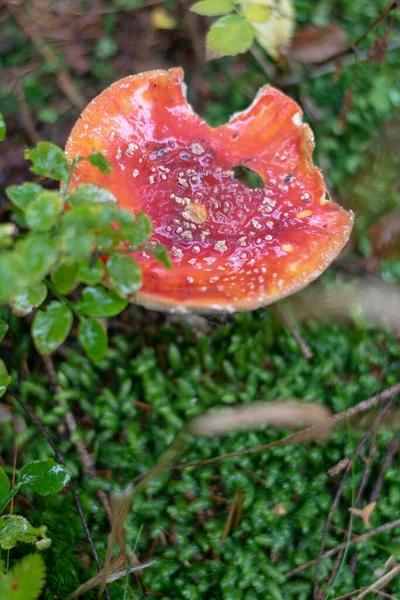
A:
[275,34]
[257,13]
[160,19]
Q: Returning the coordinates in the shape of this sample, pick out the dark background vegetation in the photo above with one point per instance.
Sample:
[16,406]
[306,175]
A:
[161,371]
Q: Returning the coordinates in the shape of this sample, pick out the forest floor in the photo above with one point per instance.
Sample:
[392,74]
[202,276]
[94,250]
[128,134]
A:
[312,520]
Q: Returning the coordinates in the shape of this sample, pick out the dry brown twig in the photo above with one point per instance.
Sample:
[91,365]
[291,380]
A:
[61,460]
[64,79]
[294,330]
[25,113]
[357,540]
[84,456]
[377,422]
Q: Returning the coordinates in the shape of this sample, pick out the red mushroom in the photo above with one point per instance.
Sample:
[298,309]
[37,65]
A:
[233,248]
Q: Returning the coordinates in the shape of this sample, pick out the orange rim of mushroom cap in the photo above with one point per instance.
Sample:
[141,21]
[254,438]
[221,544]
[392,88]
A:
[233,248]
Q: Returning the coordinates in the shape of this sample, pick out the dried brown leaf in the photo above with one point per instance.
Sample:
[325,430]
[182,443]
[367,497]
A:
[365,513]
[312,45]
[281,415]
[375,302]
[117,567]
[377,52]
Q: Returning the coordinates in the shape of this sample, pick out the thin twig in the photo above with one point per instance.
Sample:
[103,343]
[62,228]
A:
[339,493]
[393,448]
[232,510]
[25,113]
[365,405]
[339,417]
[86,460]
[294,330]
[64,79]
[268,69]
[331,66]
[381,582]
[61,460]
[357,540]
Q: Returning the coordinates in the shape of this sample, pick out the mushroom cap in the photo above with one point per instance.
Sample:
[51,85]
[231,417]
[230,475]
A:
[233,248]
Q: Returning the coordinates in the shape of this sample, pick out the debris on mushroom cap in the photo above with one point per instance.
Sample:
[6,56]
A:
[233,248]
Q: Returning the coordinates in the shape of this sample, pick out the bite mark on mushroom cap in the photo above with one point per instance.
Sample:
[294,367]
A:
[233,248]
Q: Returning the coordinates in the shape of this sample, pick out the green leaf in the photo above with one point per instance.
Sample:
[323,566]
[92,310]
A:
[230,35]
[88,193]
[78,242]
[38,254]
[212,8]
[14,529]
[23,195]
[4,487]
[108,238]
[13,276]
[98,160]
[3,329]
[97,302]
[2,128]
[138,232]
[51,327]
[43,213]
[65,277]
[161,254]
[48,160]
[257,13]
[31,298]
[5,378]
[89,273]
[44,476]
[25,581]
[125,274]
[93,338]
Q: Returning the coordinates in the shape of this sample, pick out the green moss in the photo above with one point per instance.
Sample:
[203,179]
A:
[180,376]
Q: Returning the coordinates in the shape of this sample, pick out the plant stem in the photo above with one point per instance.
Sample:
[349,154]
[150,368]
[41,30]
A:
[71,305]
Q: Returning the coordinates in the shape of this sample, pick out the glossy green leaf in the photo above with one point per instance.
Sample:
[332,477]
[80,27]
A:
[124,274]
[91,273]
[13,275]
[78,242]
[98,160]
[31,298]
[14,529]
[51,327]
[38,254]
[161,254]
[5,378]
[88,193]
[3,329]
[4,487]
[43,213]
[65,277]
[230,35]
[98,302]
[44,476]
[2,128]
[26,579]
[93,338]
[108,238]
[48,160]
[22,196]
[212,8]
[139,232]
